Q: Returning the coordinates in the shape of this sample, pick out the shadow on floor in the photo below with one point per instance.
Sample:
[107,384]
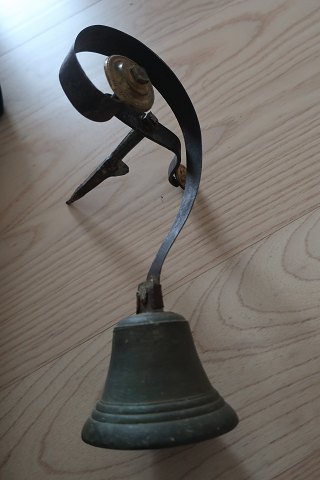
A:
[209,460]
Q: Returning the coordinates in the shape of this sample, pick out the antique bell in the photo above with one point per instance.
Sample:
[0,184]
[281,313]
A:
[157,393]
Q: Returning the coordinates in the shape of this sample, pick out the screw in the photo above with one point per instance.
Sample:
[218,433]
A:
[139,74]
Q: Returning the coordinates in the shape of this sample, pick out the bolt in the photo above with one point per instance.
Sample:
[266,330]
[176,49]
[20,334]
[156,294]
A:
[139,74]
[181,175]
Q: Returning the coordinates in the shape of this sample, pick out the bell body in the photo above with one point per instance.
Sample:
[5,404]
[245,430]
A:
[157,393]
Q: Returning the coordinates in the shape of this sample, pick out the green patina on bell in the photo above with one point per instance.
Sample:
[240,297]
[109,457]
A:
[157,393]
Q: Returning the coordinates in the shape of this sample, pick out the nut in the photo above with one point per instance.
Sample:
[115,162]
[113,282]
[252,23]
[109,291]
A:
[139,74]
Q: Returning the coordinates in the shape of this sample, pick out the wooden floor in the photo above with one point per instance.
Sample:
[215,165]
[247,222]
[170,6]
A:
[245,271]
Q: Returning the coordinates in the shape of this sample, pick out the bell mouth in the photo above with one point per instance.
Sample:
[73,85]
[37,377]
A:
[159,430]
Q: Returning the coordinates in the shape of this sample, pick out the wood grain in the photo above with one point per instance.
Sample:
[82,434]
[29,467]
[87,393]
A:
[20,24]
[245,270]
[255,320]
[307,468]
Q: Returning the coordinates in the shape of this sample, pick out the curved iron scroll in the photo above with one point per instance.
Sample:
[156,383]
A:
[98,106]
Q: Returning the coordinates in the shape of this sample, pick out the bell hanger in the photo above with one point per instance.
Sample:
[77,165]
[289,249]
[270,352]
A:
[157,393]
[132,86]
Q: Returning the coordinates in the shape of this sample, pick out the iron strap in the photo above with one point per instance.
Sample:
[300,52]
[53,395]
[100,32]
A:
[100,107]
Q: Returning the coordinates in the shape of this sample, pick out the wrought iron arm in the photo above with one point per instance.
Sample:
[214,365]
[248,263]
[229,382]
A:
[98,106]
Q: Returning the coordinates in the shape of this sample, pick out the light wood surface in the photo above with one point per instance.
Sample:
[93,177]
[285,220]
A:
[245,271]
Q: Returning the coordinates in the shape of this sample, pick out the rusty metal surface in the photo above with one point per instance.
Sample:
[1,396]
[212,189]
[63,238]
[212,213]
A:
[149,297]
[181,175]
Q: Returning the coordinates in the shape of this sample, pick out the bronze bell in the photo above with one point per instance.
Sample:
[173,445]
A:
[157,393]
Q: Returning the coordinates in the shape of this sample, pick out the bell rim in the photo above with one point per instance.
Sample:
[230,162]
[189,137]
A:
[177,411]
[160,434]
[211,399]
